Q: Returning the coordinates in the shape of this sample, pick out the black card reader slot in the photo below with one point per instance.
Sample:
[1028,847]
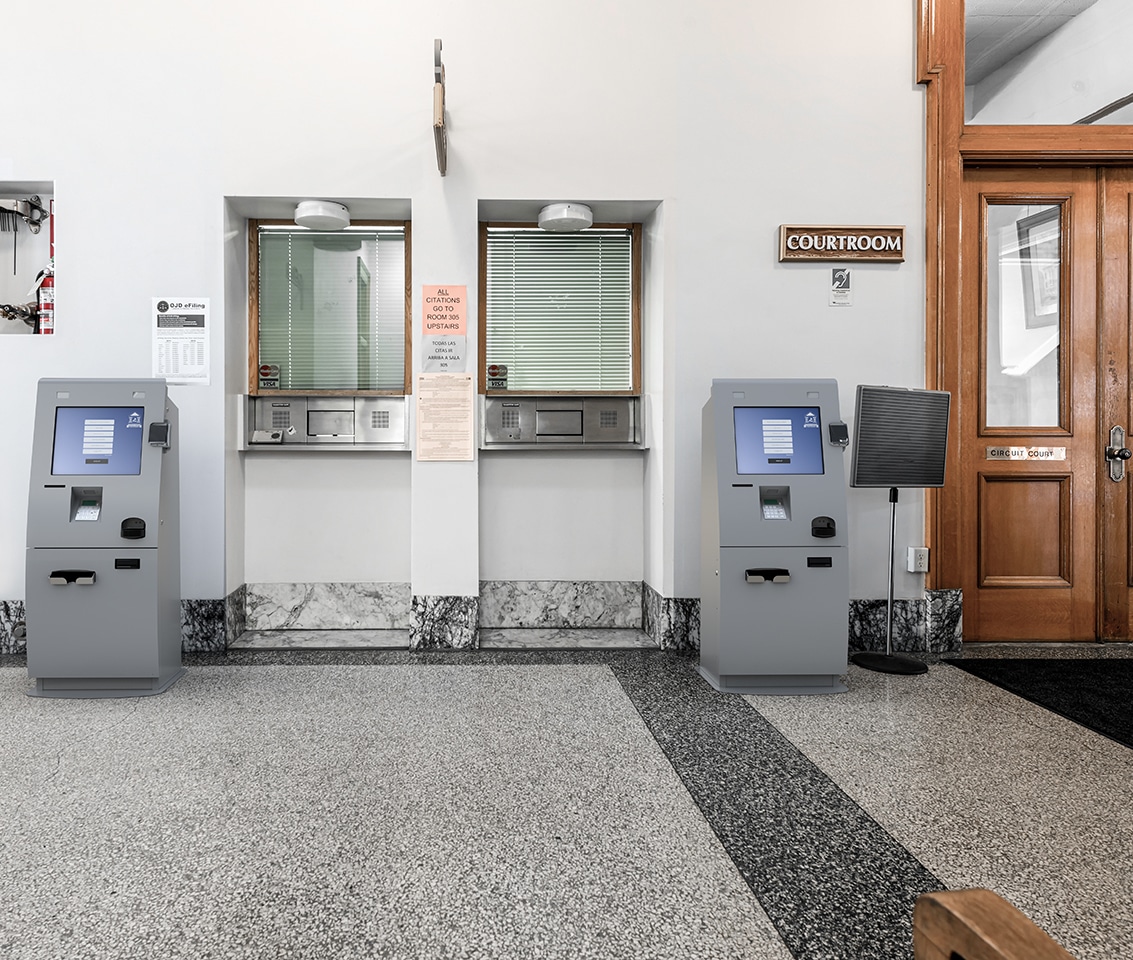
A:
[159,434]
[823,527]
[820,561]
[127,563]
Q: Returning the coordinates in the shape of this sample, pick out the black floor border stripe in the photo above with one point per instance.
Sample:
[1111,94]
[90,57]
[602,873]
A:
[836,885]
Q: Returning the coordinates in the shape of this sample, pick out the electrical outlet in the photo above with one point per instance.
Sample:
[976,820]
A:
[918,560]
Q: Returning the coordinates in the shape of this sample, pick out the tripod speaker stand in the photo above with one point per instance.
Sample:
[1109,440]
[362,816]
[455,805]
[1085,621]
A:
[900,440]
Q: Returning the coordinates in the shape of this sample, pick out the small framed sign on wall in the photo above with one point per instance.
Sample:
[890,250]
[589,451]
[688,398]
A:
[879,244]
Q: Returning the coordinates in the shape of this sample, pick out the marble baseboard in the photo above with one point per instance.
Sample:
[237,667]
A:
[444,623]
[564,639]
[930,625]
[570,604]
[321,640]
[933,624]
[236,614]
[11,627]
[203,626]
[944,624]
[673,623]
[327,606]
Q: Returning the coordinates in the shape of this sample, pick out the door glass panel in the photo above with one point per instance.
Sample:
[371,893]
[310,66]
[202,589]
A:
[1024,315]
[1038,61]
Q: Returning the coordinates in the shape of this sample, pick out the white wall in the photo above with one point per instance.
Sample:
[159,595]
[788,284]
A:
[134,151]
[541,518]
[806,113]
[658,405]
[235,382]
[320,517]
[736,117]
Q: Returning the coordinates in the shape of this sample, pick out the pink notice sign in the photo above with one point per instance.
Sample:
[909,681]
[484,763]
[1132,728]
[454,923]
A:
[445,311]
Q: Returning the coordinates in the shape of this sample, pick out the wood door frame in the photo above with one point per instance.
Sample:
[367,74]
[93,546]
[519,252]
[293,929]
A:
[1115,353]
[950,145]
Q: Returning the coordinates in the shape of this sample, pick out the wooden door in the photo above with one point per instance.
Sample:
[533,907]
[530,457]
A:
[1021,503]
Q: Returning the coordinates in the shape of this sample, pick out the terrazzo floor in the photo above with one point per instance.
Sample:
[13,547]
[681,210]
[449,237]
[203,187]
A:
[554,804]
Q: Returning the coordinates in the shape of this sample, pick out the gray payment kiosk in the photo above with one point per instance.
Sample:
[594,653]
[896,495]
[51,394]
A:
[103,592]
[774,573]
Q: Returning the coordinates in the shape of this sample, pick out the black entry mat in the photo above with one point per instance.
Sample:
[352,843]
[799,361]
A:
[1098,694]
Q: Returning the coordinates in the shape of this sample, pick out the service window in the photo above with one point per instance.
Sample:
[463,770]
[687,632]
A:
[560,312]
[329,310]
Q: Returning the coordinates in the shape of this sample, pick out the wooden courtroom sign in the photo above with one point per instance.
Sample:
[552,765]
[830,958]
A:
[884,244]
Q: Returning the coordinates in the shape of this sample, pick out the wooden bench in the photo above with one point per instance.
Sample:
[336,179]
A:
[977,925]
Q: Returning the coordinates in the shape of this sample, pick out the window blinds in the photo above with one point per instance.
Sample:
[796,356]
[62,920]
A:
[332,307]
[559,308]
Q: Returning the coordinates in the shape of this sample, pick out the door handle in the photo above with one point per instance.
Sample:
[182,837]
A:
[1117,453]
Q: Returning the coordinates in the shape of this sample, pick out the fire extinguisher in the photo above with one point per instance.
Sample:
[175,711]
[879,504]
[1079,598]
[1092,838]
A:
[45,298]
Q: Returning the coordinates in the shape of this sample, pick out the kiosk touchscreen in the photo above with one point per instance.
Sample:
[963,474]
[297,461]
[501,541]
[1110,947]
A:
[103,591]
[774,569]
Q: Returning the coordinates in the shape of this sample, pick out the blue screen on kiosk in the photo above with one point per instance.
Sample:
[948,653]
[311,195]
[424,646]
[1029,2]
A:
[97,440]
[778,440]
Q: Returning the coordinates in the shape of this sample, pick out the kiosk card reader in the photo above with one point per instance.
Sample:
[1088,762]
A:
[774,574]
[103,591]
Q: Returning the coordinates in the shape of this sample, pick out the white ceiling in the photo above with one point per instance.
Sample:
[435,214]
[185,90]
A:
[997,31]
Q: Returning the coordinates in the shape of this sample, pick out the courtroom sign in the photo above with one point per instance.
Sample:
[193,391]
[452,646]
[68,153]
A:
[879,244]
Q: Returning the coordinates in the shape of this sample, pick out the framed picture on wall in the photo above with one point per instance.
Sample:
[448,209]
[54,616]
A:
[1040,253]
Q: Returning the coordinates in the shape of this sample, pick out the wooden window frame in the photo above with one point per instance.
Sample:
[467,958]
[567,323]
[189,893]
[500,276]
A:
[636,261]
[254,316]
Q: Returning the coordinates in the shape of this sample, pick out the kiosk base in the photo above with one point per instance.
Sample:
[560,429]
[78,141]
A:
[783,685]
[890,663]
[92,688]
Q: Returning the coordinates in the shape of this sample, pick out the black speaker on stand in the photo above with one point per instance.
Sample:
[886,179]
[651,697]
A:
[900,440]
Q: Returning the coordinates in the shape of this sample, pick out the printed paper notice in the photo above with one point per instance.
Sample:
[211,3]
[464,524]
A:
[181,339]
[445,421]
[444,325]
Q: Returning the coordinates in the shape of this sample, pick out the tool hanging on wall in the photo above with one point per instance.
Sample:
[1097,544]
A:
[27,312]
[13,211]
[440,135]
[10,223]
